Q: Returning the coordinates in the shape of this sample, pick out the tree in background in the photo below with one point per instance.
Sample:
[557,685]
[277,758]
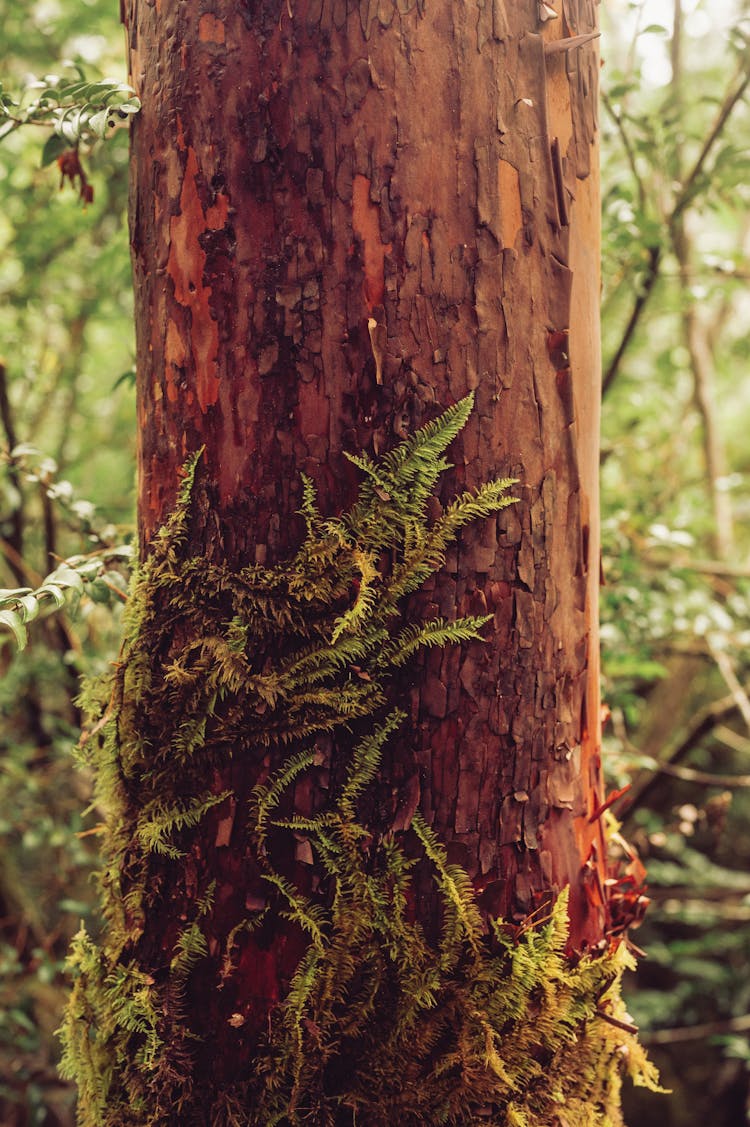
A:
[65,490]
[676,607]
[323,875]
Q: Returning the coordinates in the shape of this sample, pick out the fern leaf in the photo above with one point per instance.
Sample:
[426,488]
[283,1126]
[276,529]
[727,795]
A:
[365,762]
[266,797]
[435,632]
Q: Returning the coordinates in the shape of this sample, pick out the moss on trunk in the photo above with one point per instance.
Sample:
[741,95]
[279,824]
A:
[383,1021]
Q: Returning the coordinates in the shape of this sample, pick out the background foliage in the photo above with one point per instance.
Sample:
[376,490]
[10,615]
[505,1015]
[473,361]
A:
[676,607]
[66,456]
[676,485]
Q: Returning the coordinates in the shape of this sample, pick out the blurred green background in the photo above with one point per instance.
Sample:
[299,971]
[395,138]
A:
[676,555]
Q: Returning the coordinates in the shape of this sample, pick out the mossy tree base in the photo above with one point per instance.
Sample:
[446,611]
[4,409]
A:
[266,958]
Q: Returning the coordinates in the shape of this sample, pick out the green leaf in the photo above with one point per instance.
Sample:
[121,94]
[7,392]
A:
[127,376]
[49,590]
[65,576]
[13,622]
[99,591]
[99,122]
[53,147]
[30,605]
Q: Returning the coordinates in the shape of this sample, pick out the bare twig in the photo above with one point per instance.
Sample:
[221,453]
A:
[696,1032]
[628,148]
[691,183]
[726,669]
[16,516]
[694,332]
[627,1026]
[714,567]
[732,739]
[644,293]
[714,898]
[703,722]
[703,778]
[683,199]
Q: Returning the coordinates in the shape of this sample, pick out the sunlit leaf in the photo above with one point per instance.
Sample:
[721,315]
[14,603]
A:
[50,591]
[30,605]
[13,622]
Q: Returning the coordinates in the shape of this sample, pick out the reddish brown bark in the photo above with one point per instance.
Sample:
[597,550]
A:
[345,216]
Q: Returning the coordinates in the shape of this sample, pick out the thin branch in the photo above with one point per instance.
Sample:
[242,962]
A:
[702,723]
[629,151]
[15,518]
[644,293]
[732,739]
[726,669]
[696,1032]
[729,903]
[26,575]
[714,567]
[702,778]
[627,1026]
[682,201]
[694,333]
[690,184]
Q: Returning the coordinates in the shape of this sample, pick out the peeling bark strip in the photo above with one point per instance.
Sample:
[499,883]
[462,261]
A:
[345,216]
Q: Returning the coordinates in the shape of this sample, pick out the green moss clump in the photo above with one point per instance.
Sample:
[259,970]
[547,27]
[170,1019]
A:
[380,1025]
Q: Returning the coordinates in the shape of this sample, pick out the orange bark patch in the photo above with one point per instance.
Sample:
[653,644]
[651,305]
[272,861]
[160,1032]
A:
[509,190]
[211,29]
[366,223]
[560,114]
[187,260]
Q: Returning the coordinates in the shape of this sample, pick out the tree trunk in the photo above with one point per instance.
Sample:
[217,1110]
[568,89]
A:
[345,218]
[299,175]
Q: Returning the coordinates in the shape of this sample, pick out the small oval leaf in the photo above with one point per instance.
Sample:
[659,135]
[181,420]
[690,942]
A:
[64,576]
[51,592]
[12,622]
[30,605]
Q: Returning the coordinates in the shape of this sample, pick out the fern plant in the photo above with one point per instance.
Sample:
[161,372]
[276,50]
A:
[380,1024]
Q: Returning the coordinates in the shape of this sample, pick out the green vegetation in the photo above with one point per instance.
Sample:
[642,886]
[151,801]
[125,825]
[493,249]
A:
[371,988]
[676,489]
[676,607]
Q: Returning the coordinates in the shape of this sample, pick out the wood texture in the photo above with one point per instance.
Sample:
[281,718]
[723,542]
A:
[345,215]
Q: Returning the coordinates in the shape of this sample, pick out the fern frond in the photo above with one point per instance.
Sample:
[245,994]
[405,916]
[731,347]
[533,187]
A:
[265,797]
[309,507]
[158,821]
[454,882]
[435,632]
[362,609]
[318,662]
[189,949]
[365,762]
[310,917]
[488,499]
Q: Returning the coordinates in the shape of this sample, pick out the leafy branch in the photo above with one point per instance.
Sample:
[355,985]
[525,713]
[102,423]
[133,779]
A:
[21,605]
[689,188]
[75,108]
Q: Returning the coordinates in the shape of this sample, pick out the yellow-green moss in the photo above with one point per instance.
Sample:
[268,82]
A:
[381,1025]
